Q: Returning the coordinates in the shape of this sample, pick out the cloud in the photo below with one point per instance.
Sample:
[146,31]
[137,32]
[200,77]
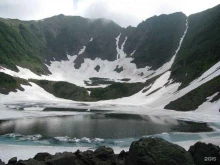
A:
[34,9]
[132,12]
[123,12]
[104,9]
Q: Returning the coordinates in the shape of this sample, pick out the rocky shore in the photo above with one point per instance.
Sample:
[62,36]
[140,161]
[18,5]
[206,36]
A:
[149,151]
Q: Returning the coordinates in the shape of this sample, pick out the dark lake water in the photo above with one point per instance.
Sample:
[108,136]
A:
[99,125]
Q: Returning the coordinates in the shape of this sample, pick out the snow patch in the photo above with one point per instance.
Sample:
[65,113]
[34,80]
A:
[133,53]
[120,51]
[166,94]
[82,50]
[30,93]
[210,107]
[160,82]
[89,92]
[65,71]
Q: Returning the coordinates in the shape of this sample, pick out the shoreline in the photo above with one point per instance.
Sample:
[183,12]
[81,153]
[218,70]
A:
[150,147]
[28,151]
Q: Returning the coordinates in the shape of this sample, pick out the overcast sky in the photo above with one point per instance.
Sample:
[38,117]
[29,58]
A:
[123,12]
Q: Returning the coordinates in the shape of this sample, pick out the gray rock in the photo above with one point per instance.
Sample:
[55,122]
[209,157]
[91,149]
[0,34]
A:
[65,158]
[30,162]
[156,151]
[12,160]
[122,155]
[205,154]
[41,156]
[104,152]
[97,68]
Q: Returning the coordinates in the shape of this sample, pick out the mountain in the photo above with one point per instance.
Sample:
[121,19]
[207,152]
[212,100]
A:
[169,61]
[201,46]
[55,37]
[200,51]
[155,40]
[30,43]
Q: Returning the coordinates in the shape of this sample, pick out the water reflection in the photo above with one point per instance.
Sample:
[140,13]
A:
[99,125]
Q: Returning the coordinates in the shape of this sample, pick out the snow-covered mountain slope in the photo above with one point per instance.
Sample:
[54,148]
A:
[64,70]
[102,54]
[163,91]
[155,65]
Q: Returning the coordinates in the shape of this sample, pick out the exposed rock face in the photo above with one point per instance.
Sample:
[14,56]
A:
[199,52]
[205,154]
[118,69]
[104,48]
[156,151]
[53,38]
[97,68]
[155,40]
[200,48]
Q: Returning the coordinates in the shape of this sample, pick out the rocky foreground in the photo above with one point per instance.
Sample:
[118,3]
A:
[150,151]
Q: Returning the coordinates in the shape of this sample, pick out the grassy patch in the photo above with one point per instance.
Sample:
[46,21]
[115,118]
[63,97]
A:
[64,90]
[201,47]
[196,97]
[116,90]
[10,84]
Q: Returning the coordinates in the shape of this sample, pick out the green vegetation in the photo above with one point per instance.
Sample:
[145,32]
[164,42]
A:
[29,43]
[116,90]
[19,46]
[9,83]
[157,151]
[68,34]
[156,39]
[64,90]
[96,81]
[196,97]
[201,47]
[72,92]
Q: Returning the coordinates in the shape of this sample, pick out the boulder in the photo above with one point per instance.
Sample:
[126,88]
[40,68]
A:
[86,157]
[41,156]
[66,158]
[122,154]
[205,154]
[104,152]
[156,151]
[13,160]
